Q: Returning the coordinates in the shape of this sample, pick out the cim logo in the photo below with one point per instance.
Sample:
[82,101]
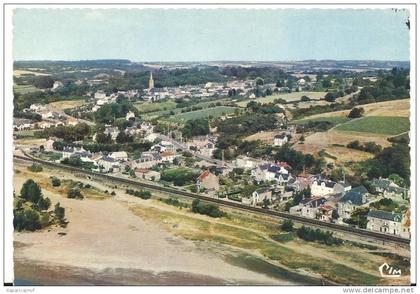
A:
[388,271]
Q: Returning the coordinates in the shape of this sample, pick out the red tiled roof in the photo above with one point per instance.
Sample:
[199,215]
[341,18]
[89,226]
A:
[203,175]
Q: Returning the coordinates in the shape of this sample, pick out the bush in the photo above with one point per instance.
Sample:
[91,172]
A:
[209,209]
[26,220]
[35,168]
[59,211]
[74,193]
[287,225]
[55,182]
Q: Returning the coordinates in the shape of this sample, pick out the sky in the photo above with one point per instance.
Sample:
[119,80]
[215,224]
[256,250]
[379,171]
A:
[210,34]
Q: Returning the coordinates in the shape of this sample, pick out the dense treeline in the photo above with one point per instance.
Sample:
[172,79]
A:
[389,86]
[391,160]
[96,147]
[68,133]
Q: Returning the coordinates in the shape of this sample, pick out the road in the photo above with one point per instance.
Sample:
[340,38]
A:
[282,215]
[184,147]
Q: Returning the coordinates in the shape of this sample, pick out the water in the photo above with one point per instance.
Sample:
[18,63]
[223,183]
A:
[261,266]
[22,282]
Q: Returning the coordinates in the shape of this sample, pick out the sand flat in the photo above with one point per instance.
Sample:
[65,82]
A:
[106,235]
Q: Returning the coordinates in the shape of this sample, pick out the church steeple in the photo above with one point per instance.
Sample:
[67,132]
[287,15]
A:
[151,82]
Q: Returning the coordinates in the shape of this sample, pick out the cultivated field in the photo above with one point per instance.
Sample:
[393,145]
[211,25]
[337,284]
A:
[388,125]
[24,89]
[385,108]
[331,119]
[67,104]
[19,72]
[294,96]
[152,107]
[214,112]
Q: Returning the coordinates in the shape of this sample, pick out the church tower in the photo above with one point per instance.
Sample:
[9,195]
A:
[151,82]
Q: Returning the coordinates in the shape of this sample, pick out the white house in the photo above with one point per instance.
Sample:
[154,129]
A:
[271,172]
[280,140]
[308,207]
[129,115]
[245,162]
[108,164]
[388,223]
[260,194]
[322,187]
[146,174]
[120,155]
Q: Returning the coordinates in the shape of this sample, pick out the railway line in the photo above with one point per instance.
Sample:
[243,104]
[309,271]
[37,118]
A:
[283,215]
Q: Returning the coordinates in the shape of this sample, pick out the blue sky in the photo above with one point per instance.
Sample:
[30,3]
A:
[211,34]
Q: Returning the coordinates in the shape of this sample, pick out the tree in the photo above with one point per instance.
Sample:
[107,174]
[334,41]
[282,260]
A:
[259,81]
[59,211]
[44,82]
[356,112]
[287,225]
[397,180]
[44,203]
[101,138]
[122,138]
[330,97]
[31,191]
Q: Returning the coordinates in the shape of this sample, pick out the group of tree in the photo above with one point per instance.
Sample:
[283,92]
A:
[179,176]
[268,108]
[391,160]
[31,209]
[108,113]
[36,168]
[209,209]
[356,112]
[196,127]
[143,194]
[317,235]
[68,133]
[370,147]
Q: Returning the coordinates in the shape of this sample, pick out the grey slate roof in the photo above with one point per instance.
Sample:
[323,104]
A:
[355,195]
[385,215]
[263,190]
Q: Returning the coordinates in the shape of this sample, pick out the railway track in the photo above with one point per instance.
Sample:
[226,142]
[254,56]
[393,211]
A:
[282,215]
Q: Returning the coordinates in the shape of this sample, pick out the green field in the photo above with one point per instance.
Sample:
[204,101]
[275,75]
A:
[24,89]
[387,125]
[333,119]
[152,107]
[294,96]
[214,112]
